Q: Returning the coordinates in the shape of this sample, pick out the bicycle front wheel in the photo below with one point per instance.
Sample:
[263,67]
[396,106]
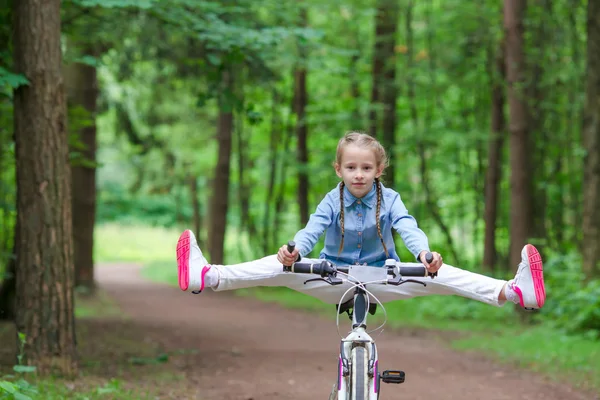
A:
[359,383]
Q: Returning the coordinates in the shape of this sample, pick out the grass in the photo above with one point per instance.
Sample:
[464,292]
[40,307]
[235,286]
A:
[495,332]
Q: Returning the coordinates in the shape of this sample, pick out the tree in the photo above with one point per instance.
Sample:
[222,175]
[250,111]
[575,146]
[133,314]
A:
[300,102]
[591,142]
[82,88]
[220,197]
[494,170]
[44,249]
[521,221]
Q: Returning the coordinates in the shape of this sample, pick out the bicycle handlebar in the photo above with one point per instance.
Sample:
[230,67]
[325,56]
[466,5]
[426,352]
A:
[328,271]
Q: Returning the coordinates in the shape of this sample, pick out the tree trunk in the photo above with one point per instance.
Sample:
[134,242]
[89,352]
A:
[591,142]
[520,180]
[494,168]
[220,198]
[45,271]
[196,211]
[377,72]
[82,90]
[8,288]
[432,207]
[300,102]
[389,90]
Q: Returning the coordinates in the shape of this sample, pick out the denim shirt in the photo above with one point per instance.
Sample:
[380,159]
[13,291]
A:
[361,240]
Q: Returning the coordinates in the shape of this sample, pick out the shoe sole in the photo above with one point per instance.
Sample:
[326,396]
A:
[183,260]
[537,274]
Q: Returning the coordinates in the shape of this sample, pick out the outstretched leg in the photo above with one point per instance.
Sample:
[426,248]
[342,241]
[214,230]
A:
[196,274]
[526,289]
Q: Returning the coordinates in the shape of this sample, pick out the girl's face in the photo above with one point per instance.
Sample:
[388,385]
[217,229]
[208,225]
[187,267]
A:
[358,169]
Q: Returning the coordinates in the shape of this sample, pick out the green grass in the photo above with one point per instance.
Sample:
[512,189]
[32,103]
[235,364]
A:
[480,327]
[131,243]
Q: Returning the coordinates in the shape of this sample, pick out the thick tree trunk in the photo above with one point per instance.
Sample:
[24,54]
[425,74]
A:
[45,271]
[521,222]
[494,168]
[591,142]
[300,102]
[82,89]
[220,198]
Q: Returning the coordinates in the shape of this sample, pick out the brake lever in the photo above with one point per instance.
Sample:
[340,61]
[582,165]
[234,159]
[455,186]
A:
[397,281]
[331,280]
[413,281]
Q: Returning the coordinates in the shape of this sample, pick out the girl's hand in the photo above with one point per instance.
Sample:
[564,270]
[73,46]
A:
[433,266]
[285,257]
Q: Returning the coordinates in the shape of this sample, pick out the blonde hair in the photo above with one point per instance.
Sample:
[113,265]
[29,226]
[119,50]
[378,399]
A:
[364,141]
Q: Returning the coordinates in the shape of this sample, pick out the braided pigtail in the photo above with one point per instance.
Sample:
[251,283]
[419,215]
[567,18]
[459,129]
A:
[377,216]
[341,216]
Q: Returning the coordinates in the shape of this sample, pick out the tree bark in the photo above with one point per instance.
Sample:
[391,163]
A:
[389,21]
[45,271]
[300,102]
[196,211]
[220,198]
[521,175]
[494,168]
[82,89]
[377,70]
[591,142]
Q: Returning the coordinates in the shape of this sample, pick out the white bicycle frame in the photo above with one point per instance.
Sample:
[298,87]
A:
[358,362]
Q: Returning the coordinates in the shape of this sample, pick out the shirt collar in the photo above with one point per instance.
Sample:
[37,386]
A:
[368,200]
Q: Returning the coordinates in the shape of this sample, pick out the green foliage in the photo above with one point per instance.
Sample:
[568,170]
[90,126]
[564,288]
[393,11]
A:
[10,81]
[573,303]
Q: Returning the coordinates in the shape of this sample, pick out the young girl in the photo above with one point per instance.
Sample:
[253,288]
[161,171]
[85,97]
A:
[357,218]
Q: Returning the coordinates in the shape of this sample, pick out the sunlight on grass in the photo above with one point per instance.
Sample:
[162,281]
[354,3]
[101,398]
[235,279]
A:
[97,306]
[130,243]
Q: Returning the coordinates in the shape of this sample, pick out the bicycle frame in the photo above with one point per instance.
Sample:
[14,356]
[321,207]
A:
[358,337]
[349,374]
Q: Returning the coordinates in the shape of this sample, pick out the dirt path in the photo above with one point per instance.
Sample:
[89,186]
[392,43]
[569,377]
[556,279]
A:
[240,349]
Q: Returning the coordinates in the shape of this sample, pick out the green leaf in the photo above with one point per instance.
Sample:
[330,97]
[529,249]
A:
[21,396]
[88,60]
[24,368]
[12,80]
[7,387]
[144,4]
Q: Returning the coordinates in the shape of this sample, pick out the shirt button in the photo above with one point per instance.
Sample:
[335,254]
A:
[359,233]
[358,202]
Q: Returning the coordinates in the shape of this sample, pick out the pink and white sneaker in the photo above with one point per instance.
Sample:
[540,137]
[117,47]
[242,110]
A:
[529,280]
[191,264]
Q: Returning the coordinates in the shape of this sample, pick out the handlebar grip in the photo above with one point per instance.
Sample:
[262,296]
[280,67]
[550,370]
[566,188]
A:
[413,271]
[291,245]
[428,257]
[306,268]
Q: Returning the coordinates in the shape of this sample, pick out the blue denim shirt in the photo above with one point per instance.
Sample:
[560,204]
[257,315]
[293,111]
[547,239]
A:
[361,241]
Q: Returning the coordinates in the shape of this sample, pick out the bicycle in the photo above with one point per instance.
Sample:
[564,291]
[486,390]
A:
[358,376]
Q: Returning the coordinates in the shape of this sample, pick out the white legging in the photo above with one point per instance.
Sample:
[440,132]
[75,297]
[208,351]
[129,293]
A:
[268,271]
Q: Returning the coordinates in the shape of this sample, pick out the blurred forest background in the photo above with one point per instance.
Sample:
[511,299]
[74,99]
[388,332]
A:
[223,116]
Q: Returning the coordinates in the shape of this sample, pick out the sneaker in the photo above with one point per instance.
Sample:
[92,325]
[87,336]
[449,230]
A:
[191,264]
[529,280]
